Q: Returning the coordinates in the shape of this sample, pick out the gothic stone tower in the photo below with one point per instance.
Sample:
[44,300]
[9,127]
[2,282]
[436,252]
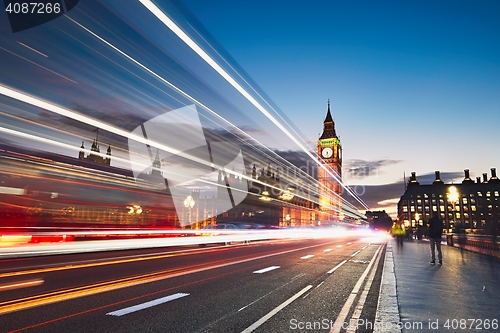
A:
[330,156]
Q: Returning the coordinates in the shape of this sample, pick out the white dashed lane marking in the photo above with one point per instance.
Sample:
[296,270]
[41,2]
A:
[146,305]
[307,257]
[260,271]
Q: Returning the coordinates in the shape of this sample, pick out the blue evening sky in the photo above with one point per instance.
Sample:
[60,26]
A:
[414,85]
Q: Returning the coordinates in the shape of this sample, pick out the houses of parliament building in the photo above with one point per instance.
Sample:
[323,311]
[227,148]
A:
[471,206]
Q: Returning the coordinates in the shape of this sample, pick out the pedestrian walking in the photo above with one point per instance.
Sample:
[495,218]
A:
[398,230]
[409,233]
[434,233]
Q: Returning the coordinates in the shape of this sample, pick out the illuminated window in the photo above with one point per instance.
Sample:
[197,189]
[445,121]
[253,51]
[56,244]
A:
[488,194]
[496,193]
[464,200]
[434,208]
[473,208]
[441,208]
[479,194]
[412,208]
[405,209]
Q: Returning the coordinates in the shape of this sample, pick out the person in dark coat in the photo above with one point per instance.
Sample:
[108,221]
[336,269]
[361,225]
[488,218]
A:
[434,233]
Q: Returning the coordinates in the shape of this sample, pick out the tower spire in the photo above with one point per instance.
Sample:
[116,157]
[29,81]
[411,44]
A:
[329,125]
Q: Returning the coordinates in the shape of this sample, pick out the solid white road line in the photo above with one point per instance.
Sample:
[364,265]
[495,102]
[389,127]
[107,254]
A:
[272,291]
[347,306]
[307,257]
[146,305]
[362,298]
[260,271]
[335,268]
[280,307]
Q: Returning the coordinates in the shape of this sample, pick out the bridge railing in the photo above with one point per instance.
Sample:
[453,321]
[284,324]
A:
[477,243]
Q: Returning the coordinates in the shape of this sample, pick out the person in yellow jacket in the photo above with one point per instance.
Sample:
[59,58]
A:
[399,231]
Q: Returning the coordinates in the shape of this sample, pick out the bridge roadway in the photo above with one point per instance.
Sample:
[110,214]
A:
[268,286]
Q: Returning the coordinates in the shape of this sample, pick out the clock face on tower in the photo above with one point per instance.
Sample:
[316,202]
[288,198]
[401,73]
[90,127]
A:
[327,152]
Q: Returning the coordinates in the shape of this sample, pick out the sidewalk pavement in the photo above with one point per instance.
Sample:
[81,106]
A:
[462,295]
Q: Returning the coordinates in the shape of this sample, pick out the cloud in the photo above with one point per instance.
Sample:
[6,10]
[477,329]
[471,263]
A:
[301,160]
[359,169]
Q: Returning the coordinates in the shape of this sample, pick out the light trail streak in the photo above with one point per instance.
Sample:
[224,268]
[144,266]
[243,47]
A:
[139,243]
[198,50]
[22,284]
[212,112]
[249,85]
[100,287]
[32,49]
[57,143]
[71,147]
[59,110]
[34,63]
[103,263]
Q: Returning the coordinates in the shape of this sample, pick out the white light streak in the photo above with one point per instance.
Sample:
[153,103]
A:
[198,50]
[32,49]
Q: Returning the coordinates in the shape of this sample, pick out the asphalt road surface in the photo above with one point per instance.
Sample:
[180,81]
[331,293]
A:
[301,285]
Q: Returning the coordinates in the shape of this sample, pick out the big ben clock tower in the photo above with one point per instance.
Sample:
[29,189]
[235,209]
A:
[330,156]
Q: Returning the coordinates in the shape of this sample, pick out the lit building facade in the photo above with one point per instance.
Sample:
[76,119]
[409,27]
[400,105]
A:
[475,207]
[330,170]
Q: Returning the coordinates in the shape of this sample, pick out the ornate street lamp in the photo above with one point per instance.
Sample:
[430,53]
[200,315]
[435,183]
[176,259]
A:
[453,198]
[189,203]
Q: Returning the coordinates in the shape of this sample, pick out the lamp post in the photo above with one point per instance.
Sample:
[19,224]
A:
[453,198]
[189,203]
